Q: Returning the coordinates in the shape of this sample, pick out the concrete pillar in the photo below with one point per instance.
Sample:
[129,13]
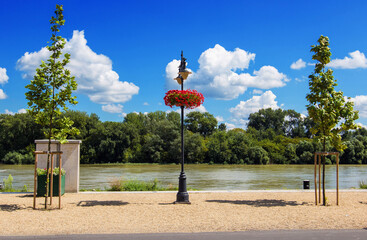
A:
[70,160]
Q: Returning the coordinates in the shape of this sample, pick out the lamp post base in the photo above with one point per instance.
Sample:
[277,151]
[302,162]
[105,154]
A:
[182,195]
[182,198]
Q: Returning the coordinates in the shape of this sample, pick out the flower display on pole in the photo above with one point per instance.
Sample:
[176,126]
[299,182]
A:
[189,99]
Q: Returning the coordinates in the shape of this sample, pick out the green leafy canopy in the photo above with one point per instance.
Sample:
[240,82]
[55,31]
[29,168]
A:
[331,112]
[51,89]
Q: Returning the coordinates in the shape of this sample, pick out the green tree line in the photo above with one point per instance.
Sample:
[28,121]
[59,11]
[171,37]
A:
[272,137]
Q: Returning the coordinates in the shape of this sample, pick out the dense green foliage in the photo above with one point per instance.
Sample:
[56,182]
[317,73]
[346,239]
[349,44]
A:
[51,89]
[328,109]
[155,138]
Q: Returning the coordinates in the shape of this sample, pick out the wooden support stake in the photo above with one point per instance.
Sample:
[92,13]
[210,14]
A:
[52,179]
[315,178]
[318,158]
[60,180]
[337,179]
[35,181]
[319,178]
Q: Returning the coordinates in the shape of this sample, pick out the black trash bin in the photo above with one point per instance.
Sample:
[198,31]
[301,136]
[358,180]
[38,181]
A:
[306,184]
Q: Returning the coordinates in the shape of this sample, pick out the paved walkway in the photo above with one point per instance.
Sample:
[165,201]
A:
[250,235]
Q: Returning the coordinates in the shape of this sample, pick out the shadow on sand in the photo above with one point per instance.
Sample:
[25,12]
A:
[10,207]
[101,203]
[261,202]
[25,196]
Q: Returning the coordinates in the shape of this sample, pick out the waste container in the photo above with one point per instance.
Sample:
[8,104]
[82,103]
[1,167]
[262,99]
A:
[306,184]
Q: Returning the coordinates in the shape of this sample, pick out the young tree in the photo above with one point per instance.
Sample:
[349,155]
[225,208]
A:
[51,90]
[329,110]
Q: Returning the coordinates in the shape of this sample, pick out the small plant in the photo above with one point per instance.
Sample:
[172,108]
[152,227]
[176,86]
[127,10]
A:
[362,185]
[8,184]
[137,185]
[24,189]
[55,171]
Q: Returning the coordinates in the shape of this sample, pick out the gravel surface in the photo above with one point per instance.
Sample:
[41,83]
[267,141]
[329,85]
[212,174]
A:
[96,213]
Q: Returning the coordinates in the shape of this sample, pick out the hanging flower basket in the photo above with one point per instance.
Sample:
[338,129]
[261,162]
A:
[188,98]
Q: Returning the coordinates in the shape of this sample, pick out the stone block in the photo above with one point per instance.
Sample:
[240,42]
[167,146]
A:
[70,160]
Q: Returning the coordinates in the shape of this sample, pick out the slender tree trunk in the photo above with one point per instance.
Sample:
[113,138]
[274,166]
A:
[48,161]
[50,134]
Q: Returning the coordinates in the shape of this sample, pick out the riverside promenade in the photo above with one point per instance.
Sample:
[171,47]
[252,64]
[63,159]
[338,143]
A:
[111,213]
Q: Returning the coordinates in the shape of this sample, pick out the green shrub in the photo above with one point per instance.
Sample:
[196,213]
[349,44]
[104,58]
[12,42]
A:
[24,189]
[18,158]
[362,185]
[43,171]
[136,185]
[8,184]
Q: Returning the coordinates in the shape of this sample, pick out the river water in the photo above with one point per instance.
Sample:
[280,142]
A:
[202,177]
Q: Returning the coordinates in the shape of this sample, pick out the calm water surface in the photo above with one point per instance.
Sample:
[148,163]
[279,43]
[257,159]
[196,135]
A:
[203,177]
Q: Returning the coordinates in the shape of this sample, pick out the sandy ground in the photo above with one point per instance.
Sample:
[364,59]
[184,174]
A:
[155,212]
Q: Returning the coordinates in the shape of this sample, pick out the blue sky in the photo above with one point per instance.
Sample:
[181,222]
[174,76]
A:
[244,55]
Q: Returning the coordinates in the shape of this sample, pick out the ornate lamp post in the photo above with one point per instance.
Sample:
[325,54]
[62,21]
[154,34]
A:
[184,99]
[182,195]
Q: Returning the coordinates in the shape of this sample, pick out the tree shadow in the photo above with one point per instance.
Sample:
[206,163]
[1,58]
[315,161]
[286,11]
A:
[363,202]
[261,202]
[100,203]
[10,207]
[25,196]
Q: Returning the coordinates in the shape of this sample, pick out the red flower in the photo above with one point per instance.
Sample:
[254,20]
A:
[187,98]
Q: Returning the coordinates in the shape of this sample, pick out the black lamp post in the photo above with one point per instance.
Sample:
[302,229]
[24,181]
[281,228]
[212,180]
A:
[182,195]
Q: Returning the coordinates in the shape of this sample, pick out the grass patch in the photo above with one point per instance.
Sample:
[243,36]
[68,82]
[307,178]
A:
[362,185]
[137,185]
[91,190]
[8,186]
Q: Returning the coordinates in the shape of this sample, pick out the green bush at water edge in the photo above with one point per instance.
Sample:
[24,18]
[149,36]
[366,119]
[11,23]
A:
[362,185]
[137,185]
[8,185]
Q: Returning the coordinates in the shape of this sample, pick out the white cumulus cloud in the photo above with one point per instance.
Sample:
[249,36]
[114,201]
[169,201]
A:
[242,111]
[3,77]
[299,64]
[360,104]
[257,91]
[93,72]
[2,94]
[230,126]
[112,108]
[219,118]
[356,60]
[221,74]
[201,109]
[22,110]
